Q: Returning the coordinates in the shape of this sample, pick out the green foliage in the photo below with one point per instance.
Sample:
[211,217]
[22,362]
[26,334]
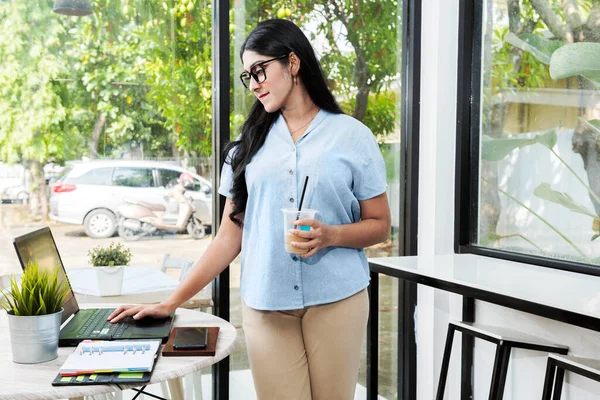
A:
[138,74]
[577,59]
[381,114]
[496,149]
[41,292]
[544,191]
[31,112]
[113,255]
[593,123]
[533,71]
[133,70]
[540,47]
[178,69]
[390,158]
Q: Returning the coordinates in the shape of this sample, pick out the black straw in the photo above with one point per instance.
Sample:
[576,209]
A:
[302,197]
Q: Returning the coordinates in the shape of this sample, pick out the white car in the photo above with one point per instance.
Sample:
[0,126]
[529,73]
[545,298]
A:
[88,193]
[15,194]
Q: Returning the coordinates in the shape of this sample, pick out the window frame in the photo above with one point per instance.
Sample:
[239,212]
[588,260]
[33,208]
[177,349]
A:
[467,148]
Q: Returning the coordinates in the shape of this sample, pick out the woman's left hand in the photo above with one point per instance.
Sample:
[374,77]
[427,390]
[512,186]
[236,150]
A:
[321,235]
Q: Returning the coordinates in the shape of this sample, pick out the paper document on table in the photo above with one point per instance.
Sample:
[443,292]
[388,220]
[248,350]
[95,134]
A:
[111,356]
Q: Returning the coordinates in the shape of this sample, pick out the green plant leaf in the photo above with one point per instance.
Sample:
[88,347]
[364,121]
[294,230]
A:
[114,254]
[577,59]
[496,149]
[41,292]
[540,47]
[593,123]
[596,236]
[545,192]
[547,139]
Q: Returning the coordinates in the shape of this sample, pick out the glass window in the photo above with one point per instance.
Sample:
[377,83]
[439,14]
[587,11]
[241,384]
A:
[63,173]
[132,81]
[168,177]
[359,46]
[98,176]
[133,177]
[539,170]
[199,186]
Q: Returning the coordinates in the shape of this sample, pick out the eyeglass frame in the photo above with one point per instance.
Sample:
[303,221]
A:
[260,64]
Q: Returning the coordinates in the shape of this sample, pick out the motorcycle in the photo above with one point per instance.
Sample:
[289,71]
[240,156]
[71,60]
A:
[138,218]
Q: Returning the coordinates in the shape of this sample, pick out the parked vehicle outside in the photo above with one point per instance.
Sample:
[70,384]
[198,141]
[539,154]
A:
[17,194]
[89,193]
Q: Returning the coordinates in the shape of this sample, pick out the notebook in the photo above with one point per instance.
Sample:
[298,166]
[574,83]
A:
[80,324]
[99,357]
[103,379]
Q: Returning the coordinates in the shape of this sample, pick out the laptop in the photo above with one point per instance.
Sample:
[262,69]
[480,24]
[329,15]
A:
[81,324]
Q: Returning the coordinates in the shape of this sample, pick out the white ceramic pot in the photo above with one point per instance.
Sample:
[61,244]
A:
[34,339]
[110,280]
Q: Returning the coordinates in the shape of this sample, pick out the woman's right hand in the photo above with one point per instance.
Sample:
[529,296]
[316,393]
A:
[140,311]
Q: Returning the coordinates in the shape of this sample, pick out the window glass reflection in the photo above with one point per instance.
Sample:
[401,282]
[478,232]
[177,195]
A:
[359,46]
[539,188]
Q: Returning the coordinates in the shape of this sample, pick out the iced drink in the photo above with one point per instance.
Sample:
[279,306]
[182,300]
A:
[289,216]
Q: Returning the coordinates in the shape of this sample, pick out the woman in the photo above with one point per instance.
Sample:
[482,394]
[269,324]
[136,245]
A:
[304,316]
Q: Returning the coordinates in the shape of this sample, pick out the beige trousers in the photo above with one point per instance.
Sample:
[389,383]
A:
[307,354]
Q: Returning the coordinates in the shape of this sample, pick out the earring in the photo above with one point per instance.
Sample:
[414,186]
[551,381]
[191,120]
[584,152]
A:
[296,80]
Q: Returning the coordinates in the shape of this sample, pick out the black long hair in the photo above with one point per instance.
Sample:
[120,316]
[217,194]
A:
[273,38]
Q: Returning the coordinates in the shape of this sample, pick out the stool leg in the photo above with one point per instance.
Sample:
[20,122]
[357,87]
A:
[445,363]
[497,372]
[560,377]
[548,380]
[503,372]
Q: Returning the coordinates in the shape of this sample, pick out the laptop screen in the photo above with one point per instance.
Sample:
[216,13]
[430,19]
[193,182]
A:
[40,246]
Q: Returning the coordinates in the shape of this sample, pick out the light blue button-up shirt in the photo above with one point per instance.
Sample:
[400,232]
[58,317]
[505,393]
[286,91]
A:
[342,160]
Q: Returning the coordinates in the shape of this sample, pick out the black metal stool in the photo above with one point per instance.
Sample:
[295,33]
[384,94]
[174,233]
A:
[504,340]
[555,372]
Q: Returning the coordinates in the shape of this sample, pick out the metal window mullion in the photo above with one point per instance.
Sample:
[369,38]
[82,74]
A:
[220,137]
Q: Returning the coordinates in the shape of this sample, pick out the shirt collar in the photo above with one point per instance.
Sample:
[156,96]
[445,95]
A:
[281,126]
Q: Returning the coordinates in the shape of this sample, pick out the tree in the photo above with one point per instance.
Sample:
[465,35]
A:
[521,58]
[31,111]
[133,76]
[362,61]
[567,23]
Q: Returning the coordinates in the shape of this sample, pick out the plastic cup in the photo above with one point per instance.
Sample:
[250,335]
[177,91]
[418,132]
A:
[289,216]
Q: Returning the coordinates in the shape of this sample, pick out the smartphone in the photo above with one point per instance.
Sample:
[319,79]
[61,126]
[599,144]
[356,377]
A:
[190,338]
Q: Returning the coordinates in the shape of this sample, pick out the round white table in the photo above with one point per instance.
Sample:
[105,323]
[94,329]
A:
[33,381]
[141,285]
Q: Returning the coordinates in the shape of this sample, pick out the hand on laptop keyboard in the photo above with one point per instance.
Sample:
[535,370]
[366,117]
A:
[140,311]
[96,327]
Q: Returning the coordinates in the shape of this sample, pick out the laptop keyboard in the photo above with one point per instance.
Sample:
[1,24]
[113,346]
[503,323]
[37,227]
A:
[97,327]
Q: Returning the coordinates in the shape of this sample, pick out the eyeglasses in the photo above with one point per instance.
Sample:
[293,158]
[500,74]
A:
[257,72]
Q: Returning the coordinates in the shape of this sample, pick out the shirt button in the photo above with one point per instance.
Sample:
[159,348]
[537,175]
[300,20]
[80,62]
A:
[291,199]
[291,172]
[296,287]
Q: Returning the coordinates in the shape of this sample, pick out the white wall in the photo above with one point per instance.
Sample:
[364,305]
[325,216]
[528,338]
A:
[437,131]
[436,235]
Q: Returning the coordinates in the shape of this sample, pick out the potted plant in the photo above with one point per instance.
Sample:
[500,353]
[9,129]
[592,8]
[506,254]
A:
[110,262]
[34,308]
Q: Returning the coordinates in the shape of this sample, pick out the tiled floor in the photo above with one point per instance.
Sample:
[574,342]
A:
[241,388]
